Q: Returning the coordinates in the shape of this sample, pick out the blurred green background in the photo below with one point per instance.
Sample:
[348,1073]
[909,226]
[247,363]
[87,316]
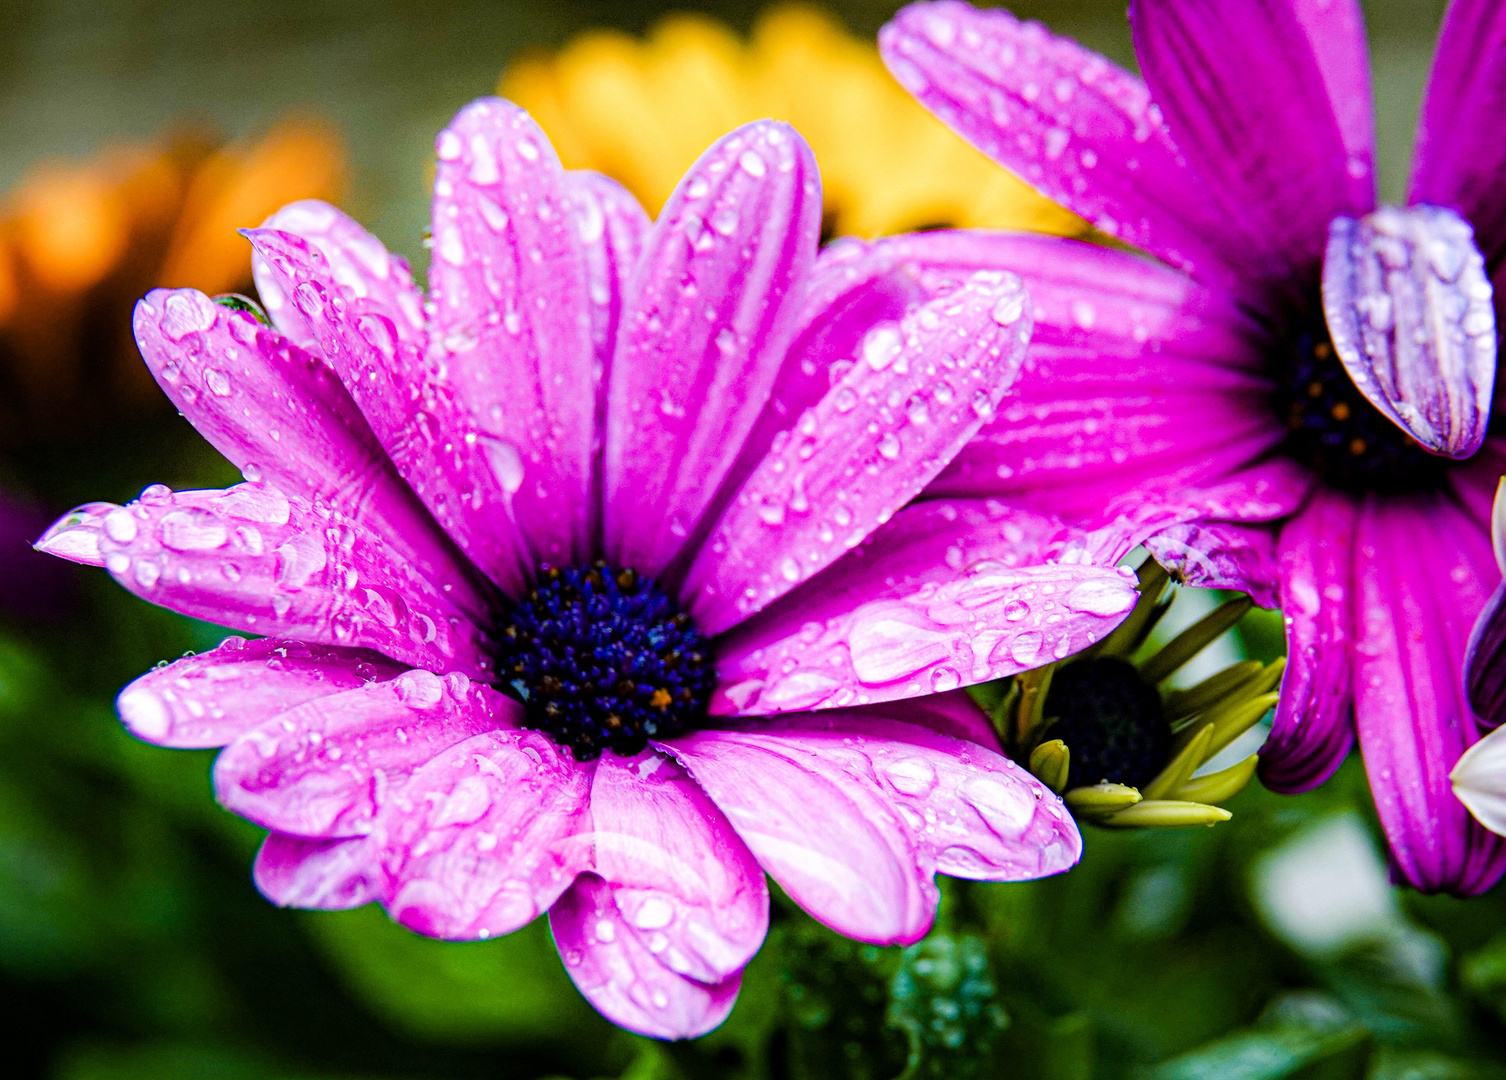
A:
[132,943]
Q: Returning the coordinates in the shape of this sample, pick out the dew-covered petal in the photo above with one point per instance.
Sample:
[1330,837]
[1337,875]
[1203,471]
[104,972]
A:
[1485,663]
[464,480]
[1220,555]
[214,697]
[706,321]
[512,319]
[325,875]
[612,227]
[1314,724]
[1461,143]
[952,712]
[1070,123]
[1409,309]
[1411,711]
[1245,99]
[323,769]
[854,815]
[918,390]
[281,416]
[616,972]
[483,839]
[75,536]
[254,559]
[683,881]
[359,263]
[945,595]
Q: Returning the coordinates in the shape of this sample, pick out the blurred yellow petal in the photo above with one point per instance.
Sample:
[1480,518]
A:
[70,227]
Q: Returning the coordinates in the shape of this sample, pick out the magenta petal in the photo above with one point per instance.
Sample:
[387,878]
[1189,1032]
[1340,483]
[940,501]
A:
[281,416]
[484,838]
[1461,143]
[854,815]
[256,560]
[952,712]
[1069,122]
[1336,34]
[1314,726]
[947,594]
[214,697]
[466,481]
[1411,711]
[617,972]
[359,263]
[917,393]
[1485,662]
[324,768]
[1245,99]
[76,535]
[1218,555]
[325,875]
[512,318]
[1409,309]
[706,321]
[680,877]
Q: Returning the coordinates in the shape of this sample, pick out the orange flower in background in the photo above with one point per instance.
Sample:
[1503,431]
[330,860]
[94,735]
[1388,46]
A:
[80,242]
[643,110]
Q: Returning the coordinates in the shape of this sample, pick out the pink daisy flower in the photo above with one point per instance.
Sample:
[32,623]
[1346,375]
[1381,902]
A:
[586,579]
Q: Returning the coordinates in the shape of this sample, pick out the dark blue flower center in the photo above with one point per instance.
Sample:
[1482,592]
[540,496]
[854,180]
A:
[602,659]
[1334,430]
[1111,720]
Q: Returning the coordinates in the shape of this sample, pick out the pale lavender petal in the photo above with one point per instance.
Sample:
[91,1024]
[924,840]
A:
[1314,724]
[1480,781]
[1218,555]
[854,815]
[1485,662]
[213,698]
[1066,120]
[918,391]
[466,481]
[325,875]
[1245,99]
[76,535]
[281,416]
[324,768]
[706,322]
[947,594]
[254,559]
[1461,143]
[617,973]
[483,839]
[1409,309]
[360,264]
[683,882]
[1336,34]
[1411,710]
[512,319]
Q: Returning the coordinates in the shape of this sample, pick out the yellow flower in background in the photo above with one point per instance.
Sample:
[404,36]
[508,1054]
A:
[81,241]
[643,111]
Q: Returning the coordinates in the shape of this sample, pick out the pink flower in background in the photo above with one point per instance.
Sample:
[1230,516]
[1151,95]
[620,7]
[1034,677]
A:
[556,564]
[1301,408]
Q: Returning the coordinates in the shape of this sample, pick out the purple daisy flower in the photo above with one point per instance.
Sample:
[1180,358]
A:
[1299,409]
[556,563]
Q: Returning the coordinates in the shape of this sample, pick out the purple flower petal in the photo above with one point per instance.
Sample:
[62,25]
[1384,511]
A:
[1336,34]
[323,769]
[1411,711]
[361,266]
[915,394]
[1485,662]
[1461,143]
[466,481]
[1480,781]
[281,416]
[616,972]
[854,815]
[213,698]
[484,838]
[947,594]
[513,320]
[1066,120]
[683,882]
[1218,555]
[1314,726]
[706,321]
[1245,99]
[1409,309]
[76,535]
[953,713]
[256,560]
[325,875]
